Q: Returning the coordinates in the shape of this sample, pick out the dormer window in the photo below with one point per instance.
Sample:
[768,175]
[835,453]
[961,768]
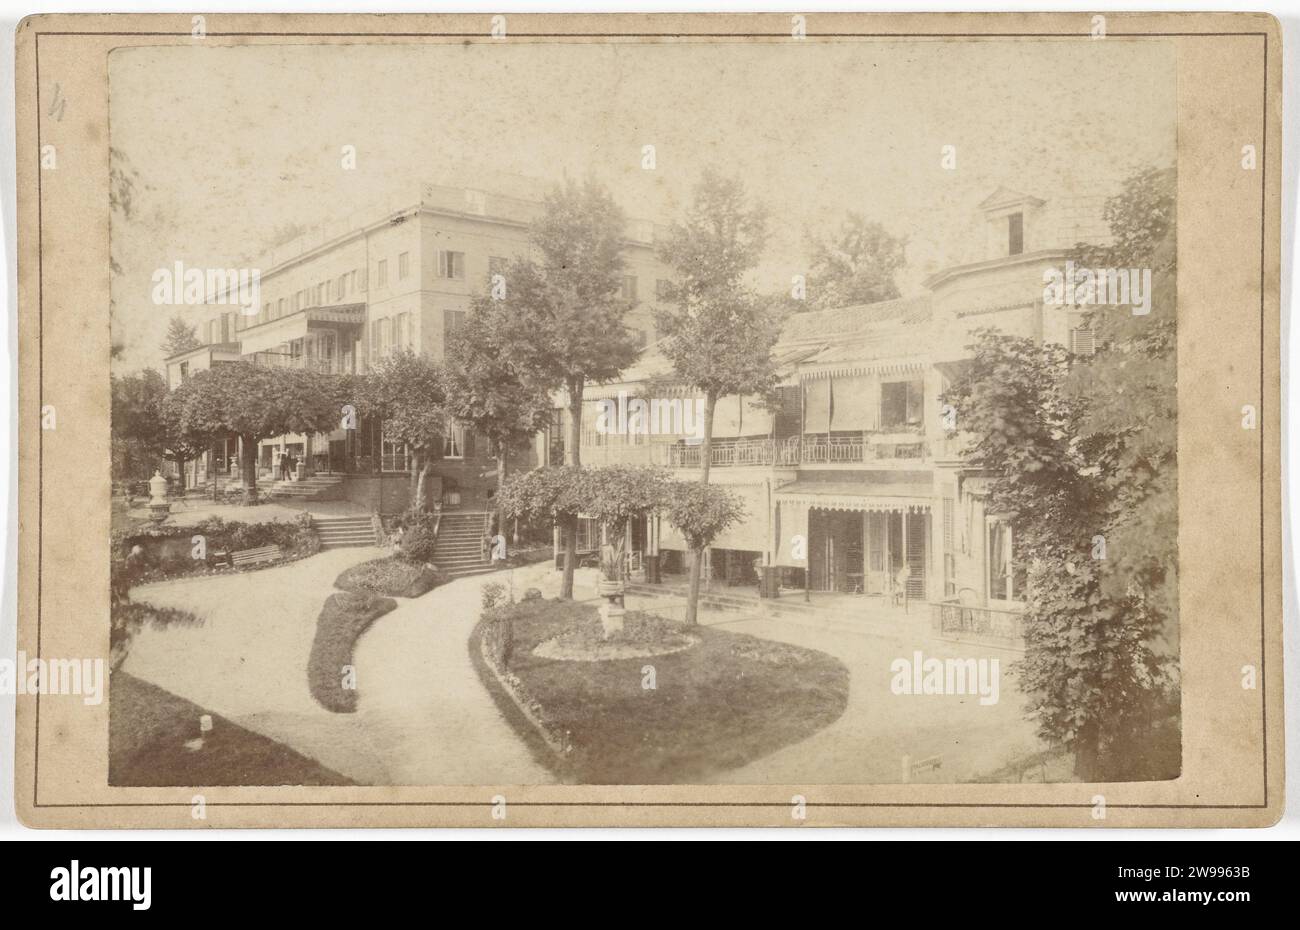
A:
[1015,233]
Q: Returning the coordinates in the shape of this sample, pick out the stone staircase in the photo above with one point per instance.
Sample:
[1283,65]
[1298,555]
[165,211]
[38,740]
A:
[339,532]
[315,488]
[459,550]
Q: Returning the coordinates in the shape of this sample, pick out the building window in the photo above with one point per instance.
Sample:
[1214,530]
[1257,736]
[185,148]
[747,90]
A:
[341,288]
[557,437]
[1015,233]
[451,265]
[453,444]
[453,320]
[279,307]
[374,340]
[1083,341]
[393,455]
[381,273]
[185,370]
[402,331]
[901,405]
[403,266]
[642,338]
[1006,577]
[629,287]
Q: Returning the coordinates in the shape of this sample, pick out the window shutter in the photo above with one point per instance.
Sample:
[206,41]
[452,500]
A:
[1083,341]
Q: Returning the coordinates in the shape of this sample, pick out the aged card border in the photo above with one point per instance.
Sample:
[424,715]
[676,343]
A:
[1264,243]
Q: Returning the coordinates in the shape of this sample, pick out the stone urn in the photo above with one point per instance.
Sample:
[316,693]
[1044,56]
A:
[158,506]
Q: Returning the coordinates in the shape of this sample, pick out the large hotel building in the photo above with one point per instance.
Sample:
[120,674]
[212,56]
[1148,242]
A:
[855,484]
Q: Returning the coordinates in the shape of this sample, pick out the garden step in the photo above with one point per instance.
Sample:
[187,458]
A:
[466,572]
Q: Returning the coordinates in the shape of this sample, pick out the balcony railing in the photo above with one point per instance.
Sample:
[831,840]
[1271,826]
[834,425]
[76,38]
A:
[279,360]
[954,618]
[796,450]
[722,452]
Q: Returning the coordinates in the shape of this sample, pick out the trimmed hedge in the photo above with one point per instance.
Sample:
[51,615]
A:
[342,620]
[390,576]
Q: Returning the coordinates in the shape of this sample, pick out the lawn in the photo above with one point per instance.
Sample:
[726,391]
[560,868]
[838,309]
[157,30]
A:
[718,705]
[147,731]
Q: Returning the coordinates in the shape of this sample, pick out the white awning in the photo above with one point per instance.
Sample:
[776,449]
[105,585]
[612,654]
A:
[829,495]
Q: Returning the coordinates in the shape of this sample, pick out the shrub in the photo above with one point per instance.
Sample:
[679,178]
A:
[493,593]
[532,594]
[390,576]
[342,620]
[166,550]
[498,638]
[418,539]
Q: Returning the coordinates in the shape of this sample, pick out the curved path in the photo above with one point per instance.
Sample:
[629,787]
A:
[423,716]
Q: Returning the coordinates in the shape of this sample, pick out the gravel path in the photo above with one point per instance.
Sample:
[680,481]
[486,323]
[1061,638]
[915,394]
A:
[423,717]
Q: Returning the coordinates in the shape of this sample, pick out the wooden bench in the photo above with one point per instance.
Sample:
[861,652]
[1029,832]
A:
[253,556]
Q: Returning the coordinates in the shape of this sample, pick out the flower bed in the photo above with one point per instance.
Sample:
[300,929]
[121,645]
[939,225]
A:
[169,551]
[672,718]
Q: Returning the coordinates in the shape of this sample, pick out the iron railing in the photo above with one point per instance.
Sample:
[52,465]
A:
[953,617]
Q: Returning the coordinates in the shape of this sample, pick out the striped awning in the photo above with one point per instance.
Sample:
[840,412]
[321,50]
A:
[834,495]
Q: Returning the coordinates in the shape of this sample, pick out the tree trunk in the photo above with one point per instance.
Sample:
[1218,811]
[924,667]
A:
[180,471]
[573,457]
[501,483]
[213,471]
[419,476]
[697,555]
[248,467]
[706,447]
[1087,753]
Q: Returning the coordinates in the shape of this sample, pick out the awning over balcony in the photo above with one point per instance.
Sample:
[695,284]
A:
[846,495]
[265,336]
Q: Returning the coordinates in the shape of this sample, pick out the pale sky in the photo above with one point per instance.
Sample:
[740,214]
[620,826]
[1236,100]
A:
[231,144]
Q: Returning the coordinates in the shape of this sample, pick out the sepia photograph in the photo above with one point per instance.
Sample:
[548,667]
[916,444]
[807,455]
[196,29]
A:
[592,421]
[471,427]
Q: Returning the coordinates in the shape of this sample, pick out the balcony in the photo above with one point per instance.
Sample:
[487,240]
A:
[866,449]
[322,366]
[723,452]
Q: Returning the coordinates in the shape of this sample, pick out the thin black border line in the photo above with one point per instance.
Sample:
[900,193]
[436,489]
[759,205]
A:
[663,804]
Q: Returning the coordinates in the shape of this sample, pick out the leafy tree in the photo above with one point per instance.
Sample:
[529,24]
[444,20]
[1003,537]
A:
[1083,451]
[855,266]
[408,392]
[613,496]
[702,512]
[720,335]
[175,443]
[254,403]
[544,495]
[138,432]
[488,393]
[565,309]
[181,337]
